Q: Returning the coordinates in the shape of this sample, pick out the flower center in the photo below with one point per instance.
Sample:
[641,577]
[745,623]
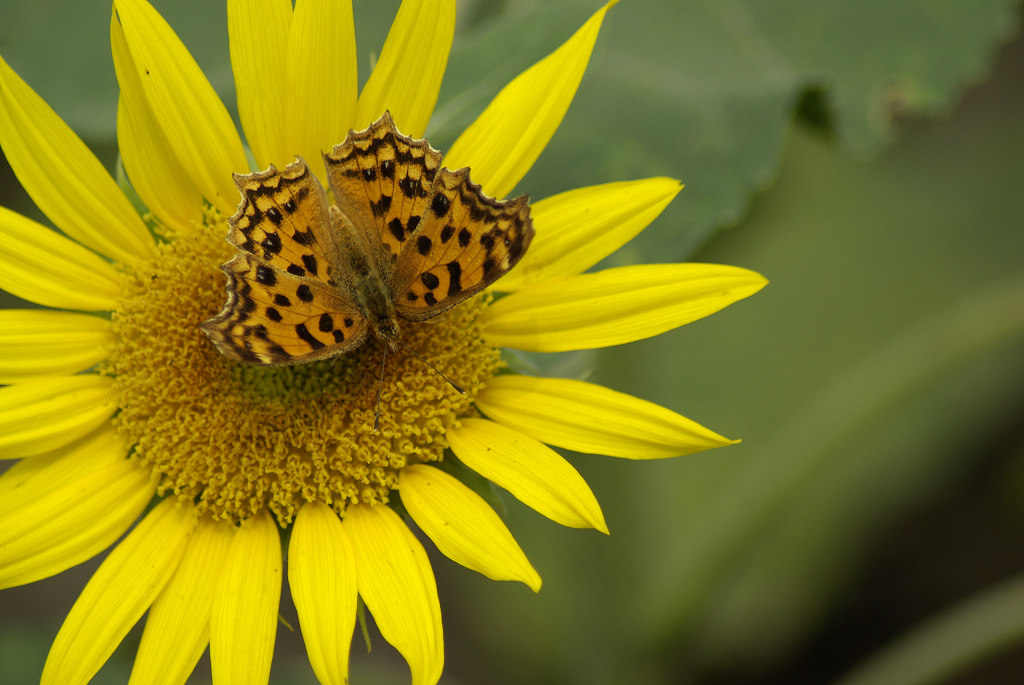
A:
[236,438]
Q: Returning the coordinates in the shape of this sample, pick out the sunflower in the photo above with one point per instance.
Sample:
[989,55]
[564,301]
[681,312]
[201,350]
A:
[126,421]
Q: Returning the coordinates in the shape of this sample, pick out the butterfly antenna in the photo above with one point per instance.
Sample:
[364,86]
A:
[380,389]
[432,367]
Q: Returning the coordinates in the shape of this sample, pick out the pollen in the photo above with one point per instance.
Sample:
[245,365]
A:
[235,438]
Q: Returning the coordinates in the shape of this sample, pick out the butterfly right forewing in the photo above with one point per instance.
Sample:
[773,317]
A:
[465,242]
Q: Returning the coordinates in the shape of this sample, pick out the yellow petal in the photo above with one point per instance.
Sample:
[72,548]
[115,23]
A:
[322,85]
[61,467]
[162,183]
[243,624]
[258,36]
[82,499]
[120,591]
[192,117]
[614,306]
[322,577]
[63,176]
[397,584]
[505,140]
[407,77]
[41,266]
[24,470]
[178,626]
[534,473]
[463,525]
[44,414]
[590,418]
[578,228]
[35,342]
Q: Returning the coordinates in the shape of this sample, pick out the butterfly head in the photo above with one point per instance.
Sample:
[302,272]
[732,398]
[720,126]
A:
[387,330]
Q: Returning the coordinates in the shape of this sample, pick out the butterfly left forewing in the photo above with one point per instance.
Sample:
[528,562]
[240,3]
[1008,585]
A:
[288,298]
[464,242]
[282,220]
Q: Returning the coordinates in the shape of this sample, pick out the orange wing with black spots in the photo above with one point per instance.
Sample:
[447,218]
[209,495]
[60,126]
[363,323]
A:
[284,305]
[274,317]
[381,181]
[464,242]
[443,239]
[282,220]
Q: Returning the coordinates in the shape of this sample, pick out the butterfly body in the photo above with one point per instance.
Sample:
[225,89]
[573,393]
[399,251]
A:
[404,239]
[365,283]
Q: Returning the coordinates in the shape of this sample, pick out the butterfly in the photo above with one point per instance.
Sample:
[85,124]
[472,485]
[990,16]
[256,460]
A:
[404,239]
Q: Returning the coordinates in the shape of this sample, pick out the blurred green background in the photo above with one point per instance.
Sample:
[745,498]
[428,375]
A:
[868,158]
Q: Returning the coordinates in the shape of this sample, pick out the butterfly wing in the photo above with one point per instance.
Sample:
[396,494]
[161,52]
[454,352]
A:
[282,220]
[381,181]
[464,242]
[273,317]
[284,306]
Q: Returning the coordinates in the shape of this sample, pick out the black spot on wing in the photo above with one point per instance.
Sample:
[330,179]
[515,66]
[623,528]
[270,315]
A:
[430,280]
[408,186]
[271,244]
[310,262]
[303,333]
[439,205]
[490,266]
[381,206]
[454,278]
[304,293]
[247,307]
[265,275]
[396,228]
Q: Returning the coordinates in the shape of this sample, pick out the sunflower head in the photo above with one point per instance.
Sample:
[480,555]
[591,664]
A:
[116,396]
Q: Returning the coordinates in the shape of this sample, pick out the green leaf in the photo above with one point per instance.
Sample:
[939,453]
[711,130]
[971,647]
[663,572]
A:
[706,91]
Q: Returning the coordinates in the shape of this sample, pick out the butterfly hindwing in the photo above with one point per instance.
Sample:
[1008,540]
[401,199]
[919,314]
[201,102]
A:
[464,242]
[381,181]
[274,317]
